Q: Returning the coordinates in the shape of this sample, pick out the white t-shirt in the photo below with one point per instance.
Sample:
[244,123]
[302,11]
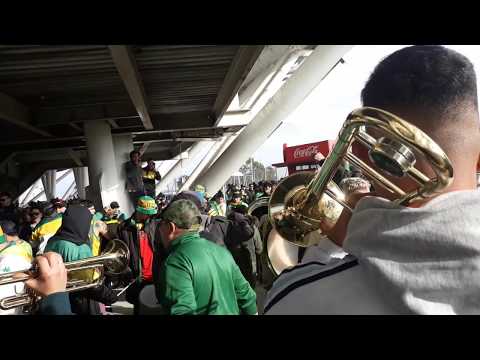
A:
[14,258]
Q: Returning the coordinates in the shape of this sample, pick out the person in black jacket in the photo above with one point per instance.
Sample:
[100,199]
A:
[139,232]
[241,243]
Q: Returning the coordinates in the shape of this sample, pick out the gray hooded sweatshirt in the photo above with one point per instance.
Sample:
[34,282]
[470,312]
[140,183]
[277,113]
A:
[405,261]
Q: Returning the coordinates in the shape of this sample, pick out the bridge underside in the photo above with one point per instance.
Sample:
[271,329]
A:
[168,97]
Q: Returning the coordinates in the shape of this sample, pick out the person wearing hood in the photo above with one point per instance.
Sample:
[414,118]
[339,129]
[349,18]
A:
[417,259]
[72,243]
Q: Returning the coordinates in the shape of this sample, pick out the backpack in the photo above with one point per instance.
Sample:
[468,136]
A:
[240,230]
[215,229]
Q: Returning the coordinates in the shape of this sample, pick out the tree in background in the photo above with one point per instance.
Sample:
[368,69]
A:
[254,171]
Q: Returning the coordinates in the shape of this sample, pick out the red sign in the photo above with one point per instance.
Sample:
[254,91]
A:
[306,152]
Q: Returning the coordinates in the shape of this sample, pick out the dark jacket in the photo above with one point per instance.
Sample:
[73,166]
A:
[134,175]
[128,233]
[215,229]
[241,244]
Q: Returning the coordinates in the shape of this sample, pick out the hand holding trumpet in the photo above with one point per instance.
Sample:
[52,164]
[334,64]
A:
[52,275]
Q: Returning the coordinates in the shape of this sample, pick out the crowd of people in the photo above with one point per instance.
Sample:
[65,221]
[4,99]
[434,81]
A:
[75,230]
[201,253]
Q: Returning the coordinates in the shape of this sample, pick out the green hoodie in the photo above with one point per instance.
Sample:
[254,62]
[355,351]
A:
[201,278]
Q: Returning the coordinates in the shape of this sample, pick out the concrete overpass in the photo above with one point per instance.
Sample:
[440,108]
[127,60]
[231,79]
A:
[166,96]
[65,107]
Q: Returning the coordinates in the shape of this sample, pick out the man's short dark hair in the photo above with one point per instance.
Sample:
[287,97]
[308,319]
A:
[428,78]
[37,206]
[114,205]
[134,152]
[58,203]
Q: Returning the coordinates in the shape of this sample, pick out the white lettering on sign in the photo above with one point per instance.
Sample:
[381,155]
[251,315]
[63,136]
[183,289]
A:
[305,151]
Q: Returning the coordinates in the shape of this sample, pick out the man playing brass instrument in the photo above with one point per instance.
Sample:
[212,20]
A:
[420,259]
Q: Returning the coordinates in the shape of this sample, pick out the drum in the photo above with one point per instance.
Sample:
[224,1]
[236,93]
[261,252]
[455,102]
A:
[148,303]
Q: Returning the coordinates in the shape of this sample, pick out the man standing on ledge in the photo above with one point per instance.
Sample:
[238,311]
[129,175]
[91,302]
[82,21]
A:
[198,277]
[134,171]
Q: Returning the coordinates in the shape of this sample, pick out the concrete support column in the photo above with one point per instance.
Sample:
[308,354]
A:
[123,145]
[303,81]
[81,180]
[104,180]
[49,181]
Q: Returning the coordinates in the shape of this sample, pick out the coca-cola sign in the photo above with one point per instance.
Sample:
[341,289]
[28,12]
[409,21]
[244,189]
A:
[307,151]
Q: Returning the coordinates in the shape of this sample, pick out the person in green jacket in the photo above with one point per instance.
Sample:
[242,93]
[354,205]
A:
[72,243]
[198,277]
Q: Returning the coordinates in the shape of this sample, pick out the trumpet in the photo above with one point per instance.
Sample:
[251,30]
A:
[113,261]
[306,204]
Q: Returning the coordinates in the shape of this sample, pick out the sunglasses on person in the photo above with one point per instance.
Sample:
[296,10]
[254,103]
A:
[3,199]
[34,213]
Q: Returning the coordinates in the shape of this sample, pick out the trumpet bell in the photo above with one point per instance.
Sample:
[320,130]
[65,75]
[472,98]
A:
[116,264]
[294,216]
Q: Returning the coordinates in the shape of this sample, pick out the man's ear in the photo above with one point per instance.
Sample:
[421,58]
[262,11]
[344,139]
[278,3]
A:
[172,227]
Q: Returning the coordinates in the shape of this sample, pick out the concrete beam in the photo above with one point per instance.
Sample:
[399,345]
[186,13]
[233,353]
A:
[113,124]
[303,81]
[49,116]
[75,127]
[238,71]
[127,68]
[76,157]
[16,113]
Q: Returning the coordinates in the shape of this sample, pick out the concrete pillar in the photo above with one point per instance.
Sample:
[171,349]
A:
[123,145]
[81,180]
[49,181]
[282,104]
[176,170]
[105,185]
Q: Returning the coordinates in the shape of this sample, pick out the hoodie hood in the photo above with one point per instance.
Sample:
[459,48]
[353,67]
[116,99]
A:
[75,225]
[421,260]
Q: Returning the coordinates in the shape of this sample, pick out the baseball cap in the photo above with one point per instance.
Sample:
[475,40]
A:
[184,214]
[189,195]
[146,205]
